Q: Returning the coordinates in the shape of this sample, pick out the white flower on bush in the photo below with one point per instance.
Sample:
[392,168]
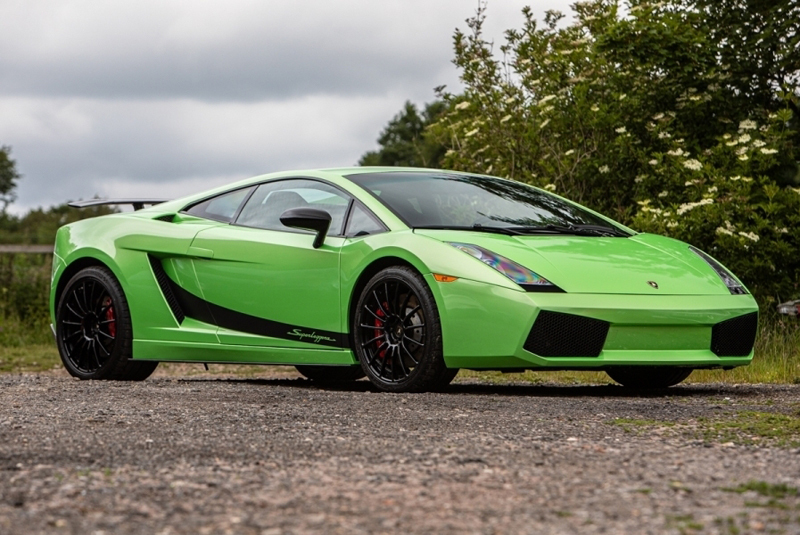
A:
[603,169]
[726,136]
[723,230]
[505,119]
[664,135]
[570,151]
[783,230]
[639,179]
[682,209]
[732,143]
[747,124]
[653,162]
[471,133]
[712,189]
[758,143]
[548,98]
[676,152]
[658,116]
[550,187]
[620,130]
[623,96]
[744,157]
[672,224]
[693,164]
[692,182]
[544,123]
[462,105]
[768,151]
[744,138]
[741,150]
[510,100]
[663,194]
[749,235]
[595,108]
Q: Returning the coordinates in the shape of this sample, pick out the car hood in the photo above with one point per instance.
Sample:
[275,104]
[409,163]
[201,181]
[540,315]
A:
[609,265]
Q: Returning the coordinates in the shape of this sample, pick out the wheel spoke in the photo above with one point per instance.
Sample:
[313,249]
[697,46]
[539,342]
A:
[97,341]
[374,314]
[73,310]
[420,344]
[106,335]
[396,294]
[415,361]
[414,326]
[65,322]
[368,342]
[411,313]
[383,366]
[380,307]
[380,328]
[400,361]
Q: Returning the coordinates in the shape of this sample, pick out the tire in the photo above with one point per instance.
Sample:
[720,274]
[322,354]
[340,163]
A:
[331,374]
[93,329]
[397,333]
[649,377]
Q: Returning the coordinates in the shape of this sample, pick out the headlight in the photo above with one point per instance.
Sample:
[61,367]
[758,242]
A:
[530,281]
[734,286]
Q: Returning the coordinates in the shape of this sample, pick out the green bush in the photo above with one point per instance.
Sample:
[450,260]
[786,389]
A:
[24,295]
[644,115]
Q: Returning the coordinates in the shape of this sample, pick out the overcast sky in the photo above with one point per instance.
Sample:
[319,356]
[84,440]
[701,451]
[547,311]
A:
[164,98]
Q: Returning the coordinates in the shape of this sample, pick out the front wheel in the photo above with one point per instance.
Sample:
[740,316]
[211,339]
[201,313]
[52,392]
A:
[649,377]
[397,334]
[93,329]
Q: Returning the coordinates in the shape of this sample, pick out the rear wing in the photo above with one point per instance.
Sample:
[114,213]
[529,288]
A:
[137,204]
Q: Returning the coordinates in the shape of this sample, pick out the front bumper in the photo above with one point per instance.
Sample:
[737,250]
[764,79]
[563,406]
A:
[486,327]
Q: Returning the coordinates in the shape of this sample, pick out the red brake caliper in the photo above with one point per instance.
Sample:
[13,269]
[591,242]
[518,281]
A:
[112,326]
[379,323]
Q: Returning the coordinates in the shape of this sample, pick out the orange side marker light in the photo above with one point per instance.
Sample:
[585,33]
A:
[444,278]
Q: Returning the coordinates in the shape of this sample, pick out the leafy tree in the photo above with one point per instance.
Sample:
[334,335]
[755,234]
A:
[39,225]
[8,178]
[404,141]
[672,116]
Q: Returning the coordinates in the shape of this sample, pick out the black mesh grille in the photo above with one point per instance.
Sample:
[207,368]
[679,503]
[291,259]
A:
[555,334]
[163,282]
[166,217]
[734,337]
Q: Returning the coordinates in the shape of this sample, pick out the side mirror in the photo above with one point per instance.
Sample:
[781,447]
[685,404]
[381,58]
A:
[308,219]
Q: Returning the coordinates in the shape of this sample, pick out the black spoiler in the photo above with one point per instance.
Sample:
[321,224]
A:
[137,204]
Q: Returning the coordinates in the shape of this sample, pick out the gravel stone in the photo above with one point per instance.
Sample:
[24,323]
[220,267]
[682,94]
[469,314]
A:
[279,456]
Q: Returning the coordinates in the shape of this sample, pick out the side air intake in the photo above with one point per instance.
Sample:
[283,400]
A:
[163,282]
[735,337]
[555,334]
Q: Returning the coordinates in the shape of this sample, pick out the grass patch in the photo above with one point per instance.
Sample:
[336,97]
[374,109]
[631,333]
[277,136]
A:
[752,427]
[744,428]
[32,358]
[762,488]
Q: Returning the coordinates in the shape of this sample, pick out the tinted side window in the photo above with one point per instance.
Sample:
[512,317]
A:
[270,200]
[220,208]
[362,223]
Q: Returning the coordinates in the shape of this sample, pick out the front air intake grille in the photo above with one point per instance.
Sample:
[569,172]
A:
[163,282]
[555,334]
[734,337]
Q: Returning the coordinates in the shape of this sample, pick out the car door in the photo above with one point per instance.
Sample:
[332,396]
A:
[264,283]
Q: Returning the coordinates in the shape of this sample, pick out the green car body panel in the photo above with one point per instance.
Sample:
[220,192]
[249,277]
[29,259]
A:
[308,294]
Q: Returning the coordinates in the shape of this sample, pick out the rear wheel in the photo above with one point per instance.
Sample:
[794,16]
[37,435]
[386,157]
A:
[331,374]
[649,377]
[397,334]
[93,329]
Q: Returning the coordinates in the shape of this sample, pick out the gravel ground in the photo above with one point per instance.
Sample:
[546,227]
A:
[276,456]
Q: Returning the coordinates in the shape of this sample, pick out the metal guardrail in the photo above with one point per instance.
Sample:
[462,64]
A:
[35,249]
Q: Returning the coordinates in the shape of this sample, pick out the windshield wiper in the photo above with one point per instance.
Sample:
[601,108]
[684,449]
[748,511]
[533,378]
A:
[575,230]
[477,227]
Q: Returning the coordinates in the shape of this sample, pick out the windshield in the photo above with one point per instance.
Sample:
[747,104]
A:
[433,200]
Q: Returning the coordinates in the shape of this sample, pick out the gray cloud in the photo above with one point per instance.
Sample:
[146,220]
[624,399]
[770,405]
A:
[168,97]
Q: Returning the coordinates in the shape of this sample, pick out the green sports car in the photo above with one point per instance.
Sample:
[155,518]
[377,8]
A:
[402,275]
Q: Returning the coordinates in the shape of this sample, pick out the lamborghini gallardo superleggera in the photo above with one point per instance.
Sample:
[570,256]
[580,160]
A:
[402,275]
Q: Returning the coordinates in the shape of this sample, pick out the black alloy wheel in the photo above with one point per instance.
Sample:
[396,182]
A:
[649,377]
[93,329]
[397,334]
